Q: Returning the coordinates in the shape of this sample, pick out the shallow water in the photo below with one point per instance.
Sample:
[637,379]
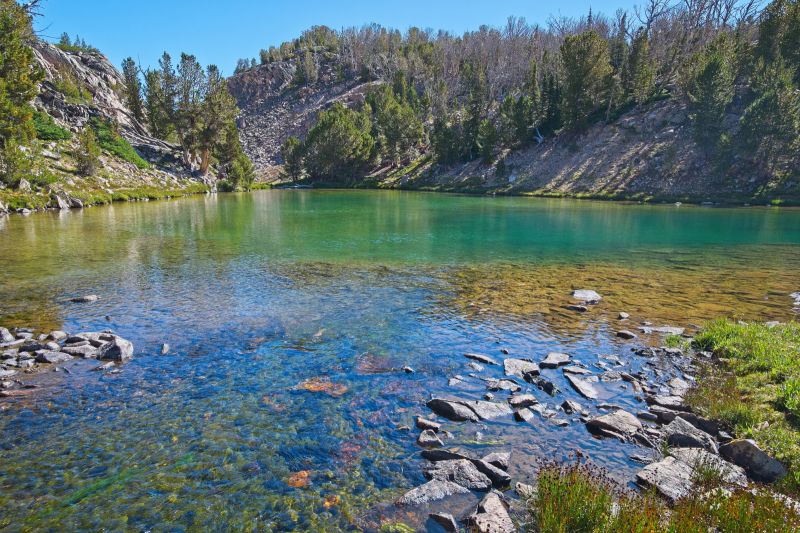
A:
[258,293]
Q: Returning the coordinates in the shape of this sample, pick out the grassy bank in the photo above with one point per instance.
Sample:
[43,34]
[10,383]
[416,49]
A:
[580,498]
[753,386]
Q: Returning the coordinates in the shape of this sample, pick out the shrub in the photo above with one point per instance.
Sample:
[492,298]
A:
[47,129]
[88,155]
[43,179]
[111,141]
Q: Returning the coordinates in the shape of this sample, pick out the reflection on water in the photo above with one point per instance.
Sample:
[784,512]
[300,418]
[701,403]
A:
[259,293]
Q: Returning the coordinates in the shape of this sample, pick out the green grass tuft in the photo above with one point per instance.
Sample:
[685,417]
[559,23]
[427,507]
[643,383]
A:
[114,143]
[47,129]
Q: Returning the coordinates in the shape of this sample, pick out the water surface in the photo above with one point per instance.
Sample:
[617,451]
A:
[259,293]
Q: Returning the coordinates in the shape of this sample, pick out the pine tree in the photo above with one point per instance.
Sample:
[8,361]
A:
[641,76]
[217,111]
[486,140]
[133,89]
[340,145]
[19,79]
[88,154]
[587,71]
[292,153]
[710,91]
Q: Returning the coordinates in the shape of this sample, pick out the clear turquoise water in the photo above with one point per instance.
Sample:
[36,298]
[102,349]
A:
[257,293]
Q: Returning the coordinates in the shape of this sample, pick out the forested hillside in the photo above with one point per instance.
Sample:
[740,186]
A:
[671,99]
[76,131]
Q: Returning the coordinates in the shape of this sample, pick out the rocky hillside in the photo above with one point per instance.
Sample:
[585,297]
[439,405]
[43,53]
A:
[273,107]
[647,153]
[80,86]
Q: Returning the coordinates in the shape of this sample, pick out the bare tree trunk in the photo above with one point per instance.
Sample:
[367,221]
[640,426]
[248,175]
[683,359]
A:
[204,160]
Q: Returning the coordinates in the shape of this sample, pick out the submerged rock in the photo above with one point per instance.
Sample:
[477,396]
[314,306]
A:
[586,295]
[485,359]
[446,521]
[429,439]
[423,423]
[625,334]
[491,516]
[665,330]
[85,299]
[757,463]
[433,490]
[582,386]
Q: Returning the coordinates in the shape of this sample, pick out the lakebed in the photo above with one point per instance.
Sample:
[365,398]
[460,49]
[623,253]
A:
[283,404]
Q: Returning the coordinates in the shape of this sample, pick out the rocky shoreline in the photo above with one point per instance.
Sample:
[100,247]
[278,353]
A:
[676,443]
[681,443]
[23,351]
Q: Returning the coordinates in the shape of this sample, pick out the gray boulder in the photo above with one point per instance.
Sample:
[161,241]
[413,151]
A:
[625,334]
[452,410]
[118,349]
[698,458]
[518,401]
[617,423]
[520,367]
[671,477]
[498,459]
[555,360]
[433,490]
[446,521]
[423,423]
[461,472]
[6,336]
[86,351]
[681,434]
[46,356]
[429,439]
[491,516]
[502,384]
[757,463]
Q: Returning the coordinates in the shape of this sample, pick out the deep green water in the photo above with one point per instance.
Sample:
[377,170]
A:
[257,293]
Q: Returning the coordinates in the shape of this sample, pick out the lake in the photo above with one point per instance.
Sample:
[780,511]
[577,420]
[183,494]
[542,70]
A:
[282,404]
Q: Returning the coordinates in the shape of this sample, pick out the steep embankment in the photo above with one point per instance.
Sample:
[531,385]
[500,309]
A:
[79,87]
[646,153]
[274,108]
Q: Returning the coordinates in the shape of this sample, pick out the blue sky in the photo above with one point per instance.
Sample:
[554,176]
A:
[220,32]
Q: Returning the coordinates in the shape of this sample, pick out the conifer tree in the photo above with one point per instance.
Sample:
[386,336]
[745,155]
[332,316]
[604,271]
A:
[133,89]
[19,79]
[587,71]
[641,71]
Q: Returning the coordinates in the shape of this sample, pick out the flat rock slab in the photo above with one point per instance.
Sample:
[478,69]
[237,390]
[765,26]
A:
[671,477]
[86,351]
[621,422]
[757,463]
[46,356]
[491,516]
[555,360]
[698,458]
[461,472]
[664,330]
[468,410]
[681,434]
[670,402]
[444,455]
[519,401]
[577,370]
[502,384]
[586,389]
[451,410]
[520,367]
[423,423]
[485,359]
[433,490]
